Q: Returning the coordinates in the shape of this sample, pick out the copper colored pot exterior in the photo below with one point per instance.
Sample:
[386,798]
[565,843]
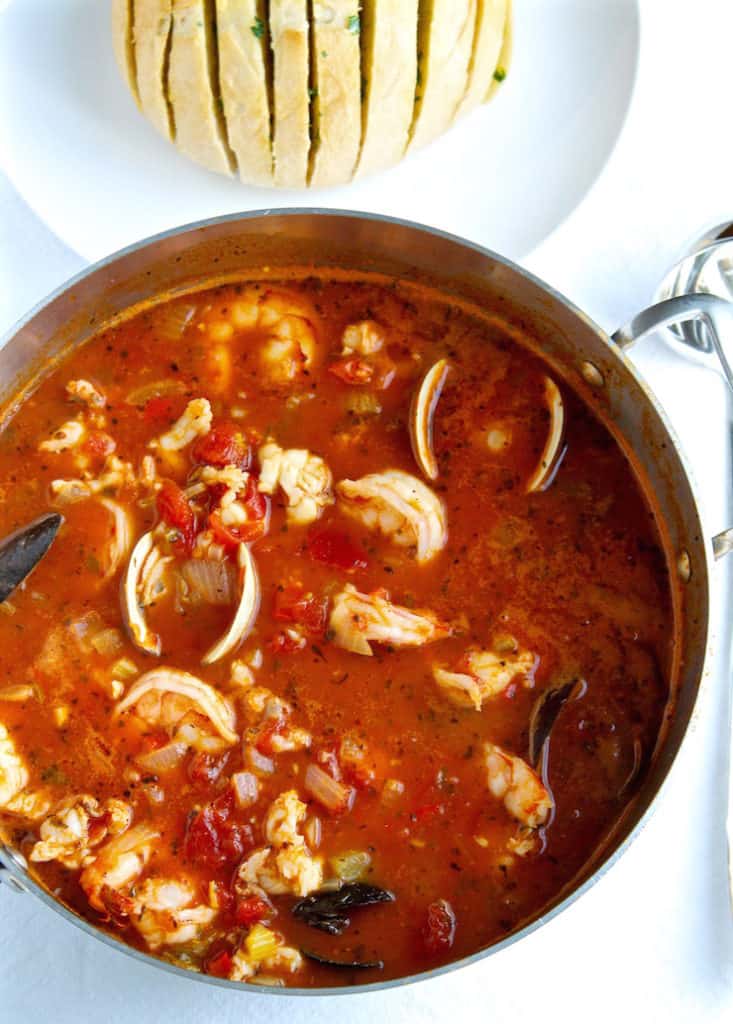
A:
[578,351]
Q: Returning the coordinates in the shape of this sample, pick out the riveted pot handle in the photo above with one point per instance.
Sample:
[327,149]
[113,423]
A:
[716,315]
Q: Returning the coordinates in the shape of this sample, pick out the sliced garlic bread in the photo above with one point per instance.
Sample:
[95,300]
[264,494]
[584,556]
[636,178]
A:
[445,44]
[505,54]
[122,41]
[193,89]
[243,57]
[491,16]
[336,100]
[153,26]
[291,136]
[389,56]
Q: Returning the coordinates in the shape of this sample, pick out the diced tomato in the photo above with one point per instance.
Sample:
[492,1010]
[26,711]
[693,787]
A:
[212,839]
[99,445]
[220,964]
[333,547]
[224,445]
[439,929]
[294,605]
[175,511]
[352,370]
[257,507]
[117,904]
[266,734]
[159,409]
[286,642]
[251,909]
[205,768]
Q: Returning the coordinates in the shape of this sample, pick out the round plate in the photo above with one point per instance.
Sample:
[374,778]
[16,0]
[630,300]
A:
[91,167]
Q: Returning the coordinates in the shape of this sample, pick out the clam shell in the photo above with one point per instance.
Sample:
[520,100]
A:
[551,453]
[247,609]
[422,414]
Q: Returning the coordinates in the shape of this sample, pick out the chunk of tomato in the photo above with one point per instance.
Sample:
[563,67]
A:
[224,445]
[257,508]
[220,964]
[175,511]
[212,839]
[439,930]
[251,909]
[99,445]
[292,604]
[352,371]
[336,548]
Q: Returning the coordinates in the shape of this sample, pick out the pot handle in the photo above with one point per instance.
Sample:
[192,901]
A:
[716,315]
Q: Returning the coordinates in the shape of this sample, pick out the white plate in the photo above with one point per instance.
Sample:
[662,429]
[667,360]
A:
[90,166]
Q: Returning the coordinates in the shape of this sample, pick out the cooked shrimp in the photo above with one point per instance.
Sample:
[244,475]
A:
[13,772]
[512,780]
[119,863]
[194,421]
[399,506]
[115,475]
[359,619]
[165,913]
[291,342]
[85,392]
[305,479]
[485,674]
[165,696]
[77,824]
[286,865]
[69,435]
[363,338]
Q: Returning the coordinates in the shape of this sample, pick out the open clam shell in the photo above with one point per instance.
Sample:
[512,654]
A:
[247,609]
[142,636]
[553,450]
[422,415]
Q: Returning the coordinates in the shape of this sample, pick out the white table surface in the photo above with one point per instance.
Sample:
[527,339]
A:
[653,941]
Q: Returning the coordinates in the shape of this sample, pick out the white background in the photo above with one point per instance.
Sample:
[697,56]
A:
[653,940]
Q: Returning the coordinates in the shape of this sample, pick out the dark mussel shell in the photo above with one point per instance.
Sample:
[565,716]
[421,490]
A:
[21,552]
[328,911]
[544,715]
[356,965]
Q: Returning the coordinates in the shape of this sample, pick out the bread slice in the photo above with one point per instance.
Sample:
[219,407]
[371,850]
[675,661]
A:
[122,41]
[291,134]
[243,79]
[491,16]
[445,44]
[389,71]
[505,54]
[193,87]
[336,91]
[153,26]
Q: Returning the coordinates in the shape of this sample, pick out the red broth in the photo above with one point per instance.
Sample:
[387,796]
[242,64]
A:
[385,744]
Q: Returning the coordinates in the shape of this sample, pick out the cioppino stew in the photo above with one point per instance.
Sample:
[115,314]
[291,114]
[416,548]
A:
[354,644]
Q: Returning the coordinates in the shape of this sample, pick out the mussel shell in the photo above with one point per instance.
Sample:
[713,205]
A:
[21,552]
[544,714]
[356,965]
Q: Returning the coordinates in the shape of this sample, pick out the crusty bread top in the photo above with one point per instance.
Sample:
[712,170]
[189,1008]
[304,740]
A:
[243,82]
[491,16]
[336,102]
[446,41]
[198,126]
[389,45]
[153,25]
[289,41]
[122,42]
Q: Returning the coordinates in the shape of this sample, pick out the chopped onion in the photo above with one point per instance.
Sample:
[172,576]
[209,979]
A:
[312,830]
[107,642]
[352,865]
[259,762]
[164,758]
[17,692]
[333,795]
[208,581]
[190,734]
[155,389]
[246,788]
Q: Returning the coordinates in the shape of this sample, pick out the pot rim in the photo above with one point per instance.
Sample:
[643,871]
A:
[9,860]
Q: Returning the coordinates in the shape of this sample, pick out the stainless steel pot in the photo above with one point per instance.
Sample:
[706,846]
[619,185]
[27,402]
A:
[588,360]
